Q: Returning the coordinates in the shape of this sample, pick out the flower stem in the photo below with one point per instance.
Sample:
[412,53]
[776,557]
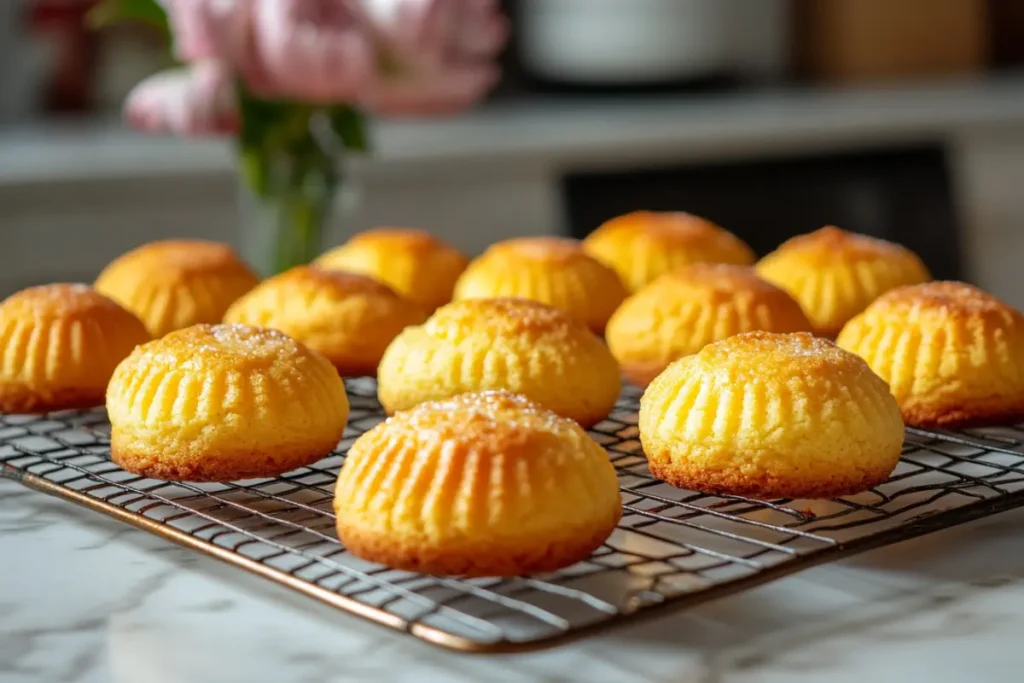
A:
[290,175]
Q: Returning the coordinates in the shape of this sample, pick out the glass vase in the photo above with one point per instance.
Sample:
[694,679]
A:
[286,198]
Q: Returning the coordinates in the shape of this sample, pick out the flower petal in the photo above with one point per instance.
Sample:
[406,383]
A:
[192,101]
[208,29]
[442,93]
[316,50]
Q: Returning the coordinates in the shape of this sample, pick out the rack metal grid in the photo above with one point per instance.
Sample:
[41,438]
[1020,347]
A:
[673,547]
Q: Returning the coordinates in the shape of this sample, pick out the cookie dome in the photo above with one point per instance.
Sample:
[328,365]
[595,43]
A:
[685,310]
[551,270]
[348,318]
[642,245]
[952,354]
[522,346]
[413,262]
[771,416]
[834,274]
[486,484]
[223,402]
[176,283]
[59,344]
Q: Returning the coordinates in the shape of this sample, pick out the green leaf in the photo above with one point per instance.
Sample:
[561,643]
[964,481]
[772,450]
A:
[350,126]
[272,124]
[109,12]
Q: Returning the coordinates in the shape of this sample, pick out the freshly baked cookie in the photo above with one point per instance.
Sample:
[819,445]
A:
[514,344]
[176,283]
[771,416]
[413,262]
[59,345]
[642,245]
[486,484]
[834,274]
[223,402]
[685,310]
[348,318]
[952,354]
[552,270]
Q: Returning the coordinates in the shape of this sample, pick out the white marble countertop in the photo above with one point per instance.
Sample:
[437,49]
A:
[86,599]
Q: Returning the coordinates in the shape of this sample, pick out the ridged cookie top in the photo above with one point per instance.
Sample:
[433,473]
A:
[176,283]
[477,468]
[555,250]
[780,356]
[829,245]
[946,298]
[552,270]
[413,262]
[950,352]
[513,344]
[835,274]
[347,317]
[229,373]
[62,301]
[642,245]
[64,334]
[771,390]
[702,289]
[203,347]
[502,317]
[404,239]
[296,292]
[686,309]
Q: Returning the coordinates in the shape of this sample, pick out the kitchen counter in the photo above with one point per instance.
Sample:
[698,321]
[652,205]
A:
[564,132]
[84,598]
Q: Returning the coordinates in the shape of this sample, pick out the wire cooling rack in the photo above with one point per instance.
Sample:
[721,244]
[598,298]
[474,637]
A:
[672,548]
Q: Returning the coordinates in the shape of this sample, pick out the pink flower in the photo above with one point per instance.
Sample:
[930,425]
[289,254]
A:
[208,29]
[310,50]
[313,50]
[193,101]
[393,56]
[436,55]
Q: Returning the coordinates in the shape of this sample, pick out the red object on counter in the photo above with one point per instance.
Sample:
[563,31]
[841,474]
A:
[73,50]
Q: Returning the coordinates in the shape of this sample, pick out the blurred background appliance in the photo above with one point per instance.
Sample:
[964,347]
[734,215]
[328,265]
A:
[652,42]
[847,41]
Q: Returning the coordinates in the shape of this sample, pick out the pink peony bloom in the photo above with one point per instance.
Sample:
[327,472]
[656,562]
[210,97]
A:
[208,29]
[193,101]
[311,50]
[437,56]
[393,56]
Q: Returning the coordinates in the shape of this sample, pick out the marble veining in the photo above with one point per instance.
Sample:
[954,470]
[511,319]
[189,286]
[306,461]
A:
[86,599]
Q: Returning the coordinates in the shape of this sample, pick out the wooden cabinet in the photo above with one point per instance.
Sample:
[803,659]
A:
[845,41]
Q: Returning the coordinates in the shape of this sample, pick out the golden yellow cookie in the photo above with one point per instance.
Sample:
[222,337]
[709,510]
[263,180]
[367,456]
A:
[486,484]
[348,318]
[952,354]
[413,262]
[176,283]
[683,311]
[514,344]
[771,416]
[552,270]
[223,402]
[834,274]
[59,345]
[642,245]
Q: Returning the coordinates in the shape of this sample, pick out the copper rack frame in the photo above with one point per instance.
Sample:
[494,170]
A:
[673,549]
